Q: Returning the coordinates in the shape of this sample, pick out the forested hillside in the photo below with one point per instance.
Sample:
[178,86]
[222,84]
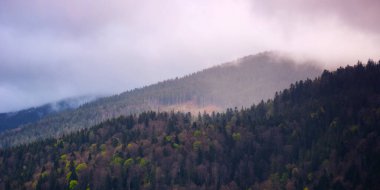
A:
[235,84]
[12,120]
[317,134]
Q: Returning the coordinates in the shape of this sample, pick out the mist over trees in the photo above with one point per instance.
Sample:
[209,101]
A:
[12,120]
[316,134]
[236,84]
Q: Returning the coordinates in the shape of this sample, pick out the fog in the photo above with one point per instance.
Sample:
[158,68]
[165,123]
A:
[57,49]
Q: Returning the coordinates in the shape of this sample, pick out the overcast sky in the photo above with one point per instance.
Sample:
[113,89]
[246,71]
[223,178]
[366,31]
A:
[55,49]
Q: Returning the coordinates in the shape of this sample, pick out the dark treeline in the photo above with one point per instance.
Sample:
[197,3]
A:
[320,134]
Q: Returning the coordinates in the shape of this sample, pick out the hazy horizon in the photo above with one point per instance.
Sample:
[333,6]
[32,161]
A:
[54,50]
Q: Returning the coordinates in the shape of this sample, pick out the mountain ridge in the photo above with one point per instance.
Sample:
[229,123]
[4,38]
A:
[255,78]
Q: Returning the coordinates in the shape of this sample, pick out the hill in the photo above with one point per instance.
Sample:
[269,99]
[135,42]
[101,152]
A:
[12,120]
[317,134]
[235,84]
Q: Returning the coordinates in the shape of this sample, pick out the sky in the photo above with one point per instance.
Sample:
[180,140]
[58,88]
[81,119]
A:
[51,50]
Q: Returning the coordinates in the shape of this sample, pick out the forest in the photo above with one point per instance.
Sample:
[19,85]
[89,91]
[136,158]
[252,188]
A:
[234,84]
[317,134]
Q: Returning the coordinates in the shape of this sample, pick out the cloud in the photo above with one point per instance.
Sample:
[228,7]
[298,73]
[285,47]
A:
[57,49]
[362,15]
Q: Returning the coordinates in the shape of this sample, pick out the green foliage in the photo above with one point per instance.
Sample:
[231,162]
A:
[63,157]
[44,174]
[129,162]
[80,167]
[236,136]
[143,162]
[197,133]
[103,147]
[197,145]
[117,160]
[175,145]
[67,165]
[168,138]
[68,176]
[73,184]
[130,145]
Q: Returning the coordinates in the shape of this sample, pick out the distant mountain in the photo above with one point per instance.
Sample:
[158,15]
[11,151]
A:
[235,84]
[317,134]
[12,120]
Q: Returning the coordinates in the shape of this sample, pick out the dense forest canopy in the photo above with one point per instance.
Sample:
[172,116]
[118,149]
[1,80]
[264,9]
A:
[235,84]
[317,134]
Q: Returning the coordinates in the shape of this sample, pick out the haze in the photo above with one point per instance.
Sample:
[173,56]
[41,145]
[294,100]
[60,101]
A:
[56,49]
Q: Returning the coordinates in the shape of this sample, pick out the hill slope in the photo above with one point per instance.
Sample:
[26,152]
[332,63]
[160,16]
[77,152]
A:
[12,120]
[240,83]
[321,134]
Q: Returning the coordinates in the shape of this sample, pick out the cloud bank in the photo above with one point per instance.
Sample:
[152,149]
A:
[56,49]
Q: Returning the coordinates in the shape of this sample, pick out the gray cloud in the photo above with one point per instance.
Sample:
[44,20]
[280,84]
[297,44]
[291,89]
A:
[363,14]
[56,49]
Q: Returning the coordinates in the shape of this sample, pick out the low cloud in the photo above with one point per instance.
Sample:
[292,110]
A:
[57,49]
